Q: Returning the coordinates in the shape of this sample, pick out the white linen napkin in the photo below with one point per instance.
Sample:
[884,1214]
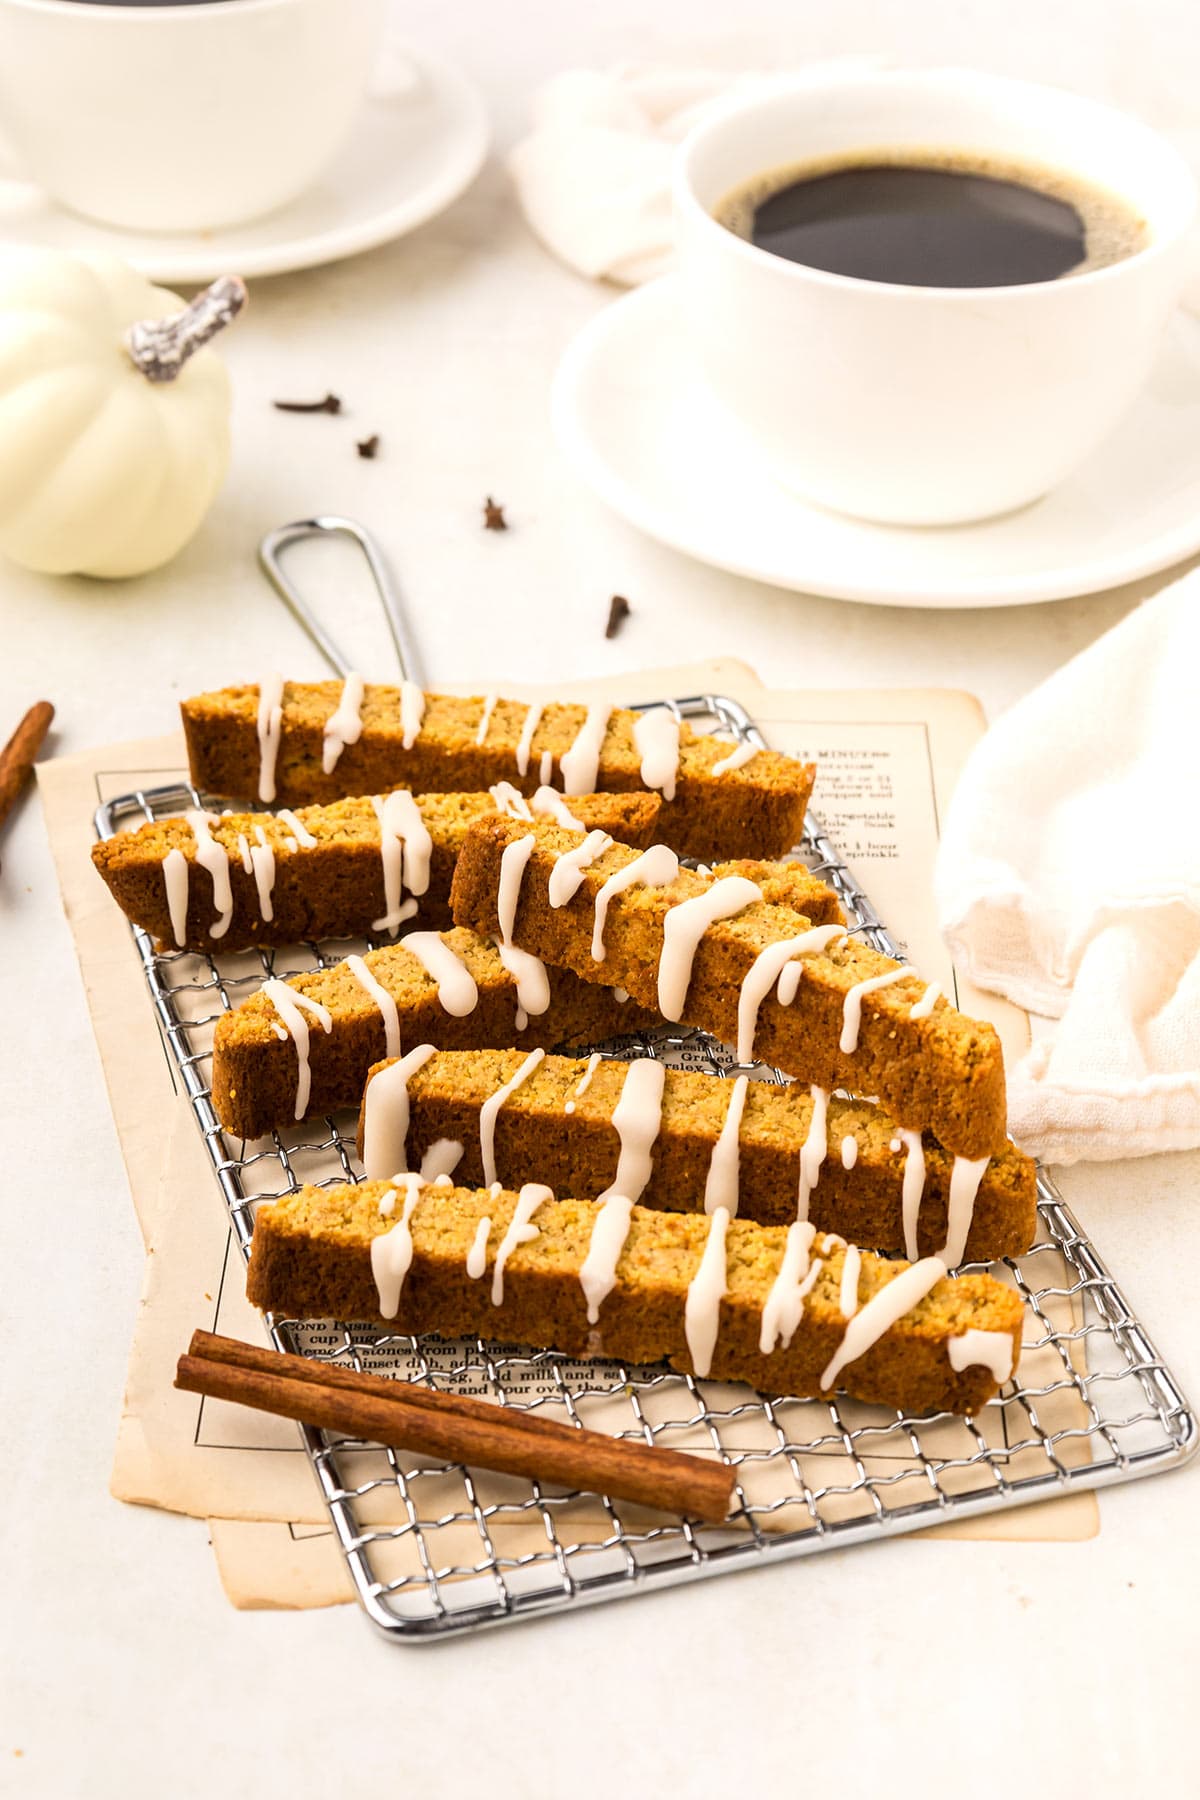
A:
[594,174]
[1068,879]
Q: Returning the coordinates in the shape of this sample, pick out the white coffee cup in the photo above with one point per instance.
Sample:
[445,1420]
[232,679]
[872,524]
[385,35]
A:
[185,117]
[924,405]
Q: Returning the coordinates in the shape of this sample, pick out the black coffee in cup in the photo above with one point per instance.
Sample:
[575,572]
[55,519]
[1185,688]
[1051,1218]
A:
[942,220]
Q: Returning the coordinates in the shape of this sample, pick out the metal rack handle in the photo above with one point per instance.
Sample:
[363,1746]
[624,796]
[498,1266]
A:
[331,524]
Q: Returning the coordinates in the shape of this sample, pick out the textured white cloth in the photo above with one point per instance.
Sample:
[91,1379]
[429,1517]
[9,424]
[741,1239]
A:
[1069,880]
[594,174]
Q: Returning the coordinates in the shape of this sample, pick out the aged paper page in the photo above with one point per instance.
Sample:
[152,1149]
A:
[887,763]
[263,1564]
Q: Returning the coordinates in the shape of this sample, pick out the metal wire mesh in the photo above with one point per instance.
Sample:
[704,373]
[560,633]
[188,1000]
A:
[434,1550]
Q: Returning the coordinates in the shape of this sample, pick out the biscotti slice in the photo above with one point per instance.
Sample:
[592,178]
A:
[788,1310]
[296,742]
[208,881]
[783,883]
[684,1142]
[714,954]
[304,1046]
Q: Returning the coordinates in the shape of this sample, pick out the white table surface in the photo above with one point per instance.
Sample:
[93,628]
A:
[126,1671]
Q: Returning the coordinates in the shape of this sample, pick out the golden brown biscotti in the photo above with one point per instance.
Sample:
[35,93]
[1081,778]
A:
[557,1127]
[260,1080]
[756,809]
[312,1258]
[938,1071]
[285,891]
[783,883]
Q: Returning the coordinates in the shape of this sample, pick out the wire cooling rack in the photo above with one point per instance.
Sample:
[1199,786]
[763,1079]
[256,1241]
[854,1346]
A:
[434,1550]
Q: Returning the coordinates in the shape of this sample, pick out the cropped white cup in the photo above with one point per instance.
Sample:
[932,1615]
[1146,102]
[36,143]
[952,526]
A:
[186,117]
[925,405]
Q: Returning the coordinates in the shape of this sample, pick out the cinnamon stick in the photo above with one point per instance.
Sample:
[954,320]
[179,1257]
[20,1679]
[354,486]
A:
[452,1428]
[19,754]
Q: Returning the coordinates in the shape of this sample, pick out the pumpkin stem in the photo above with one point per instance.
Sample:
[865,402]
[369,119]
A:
[160,347]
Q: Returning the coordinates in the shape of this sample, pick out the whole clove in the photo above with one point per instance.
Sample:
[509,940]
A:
[619,610]
[493,516]
[368,446]
[330,404]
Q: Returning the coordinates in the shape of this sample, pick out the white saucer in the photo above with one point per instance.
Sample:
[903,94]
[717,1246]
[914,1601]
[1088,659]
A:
[410,154]
[643,431]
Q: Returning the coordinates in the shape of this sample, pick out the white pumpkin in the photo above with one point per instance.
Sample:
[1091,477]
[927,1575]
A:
[113,442]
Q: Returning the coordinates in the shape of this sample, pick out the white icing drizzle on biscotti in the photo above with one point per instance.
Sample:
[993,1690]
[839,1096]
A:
[441,1159]
[412,712]
[388,1010]
[721,1182]
[550,804]
[520,1231]
[656,735]
[405,847]
[852,1005]
[386,1113]
[291,1005]
[598,1275]
[812,1151]
[477,1254]
[392,1251]
[922,1008]
[489,707]
[566,875]
[991,1350]
[527,971]
[511,801]
[215,858]
[684,926]
[848,1293]
[491,1107]
[514,860]
[175,880]
[885,1307]
[297,827]
[784,1306]
[849,1151]
[531,979]
[585,1080]
[244,853]
[580,765]
[637,1121]
[525,741]
[965,1177]
[912,1188]
[770,967]
[344,724]
[546,768]
[269,725]
[736,759]
[656,867]
[457,992]
[706,1290]
[262,866]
